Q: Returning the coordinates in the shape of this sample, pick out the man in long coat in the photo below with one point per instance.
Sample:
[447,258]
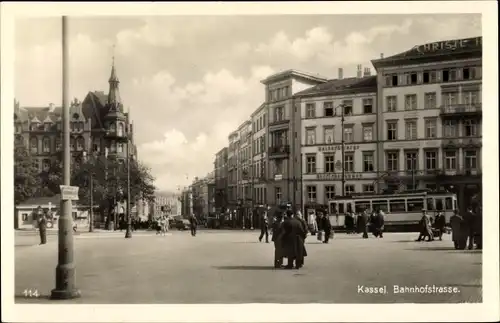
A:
[363,223]
[439,225]
[264,227]
[42,226]
[470,225]
[378,225]
[277,232]
[293,241]
[425,227]
[455,223]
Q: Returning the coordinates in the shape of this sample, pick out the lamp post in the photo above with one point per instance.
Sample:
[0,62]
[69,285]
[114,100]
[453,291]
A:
[128,233]
[65,270]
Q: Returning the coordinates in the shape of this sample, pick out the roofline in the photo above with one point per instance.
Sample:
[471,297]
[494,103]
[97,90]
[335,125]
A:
[247,122]
[262,106]
[293,72]
[329,93]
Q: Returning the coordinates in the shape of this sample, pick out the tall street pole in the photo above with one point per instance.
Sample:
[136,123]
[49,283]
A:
[343,149]
[128,234]
[91,217]
[65,270]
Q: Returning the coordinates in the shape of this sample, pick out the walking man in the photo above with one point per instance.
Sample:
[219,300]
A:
[455,223]
[425,227]
[264,227]
[42,226]
[193,224]
[326,226]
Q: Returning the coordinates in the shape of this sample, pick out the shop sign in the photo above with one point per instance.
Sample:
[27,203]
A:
[337,148]
[338,176]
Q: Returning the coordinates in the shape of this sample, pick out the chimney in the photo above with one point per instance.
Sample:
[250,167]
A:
[367,72]
[359,73]
[341,73]
[381,55]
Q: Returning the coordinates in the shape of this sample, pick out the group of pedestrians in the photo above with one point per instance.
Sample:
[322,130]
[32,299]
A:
[289,232]
[365,222]
[467,229]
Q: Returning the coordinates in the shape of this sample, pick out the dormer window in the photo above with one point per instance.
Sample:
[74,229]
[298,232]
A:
[112,127]
[34,145]
[34,127]
[47,126]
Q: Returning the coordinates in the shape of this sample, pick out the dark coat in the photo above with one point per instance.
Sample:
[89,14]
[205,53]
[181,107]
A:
[325,224]
[293,239]
[304,226]
[363,221]
[455,223]
[42,223]
[440,222]
[193,221]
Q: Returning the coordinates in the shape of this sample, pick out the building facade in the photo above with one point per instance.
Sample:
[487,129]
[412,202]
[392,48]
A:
[322,129]
[431,120]
[259,155]
[221,180]
[244,183]
[283,129]
[232,170]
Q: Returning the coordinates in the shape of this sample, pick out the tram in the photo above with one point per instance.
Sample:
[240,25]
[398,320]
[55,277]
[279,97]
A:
[401,209]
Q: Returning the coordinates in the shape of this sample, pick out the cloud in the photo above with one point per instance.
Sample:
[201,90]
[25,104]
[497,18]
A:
[149,34]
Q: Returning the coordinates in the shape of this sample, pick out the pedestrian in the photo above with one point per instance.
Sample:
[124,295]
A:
[440,225]
[264,226]
[193,223]
[277,231]
[326,226]
[42,226]
[470,219]
[363,223]
[313,224]
[455,223]
[379,224]
[425,227]
[158,225]
[293,242]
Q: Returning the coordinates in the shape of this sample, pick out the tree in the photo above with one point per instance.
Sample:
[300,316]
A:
[26,179]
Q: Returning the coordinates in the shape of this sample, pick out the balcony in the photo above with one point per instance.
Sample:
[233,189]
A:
[462,110]
[115,134]
[281,151]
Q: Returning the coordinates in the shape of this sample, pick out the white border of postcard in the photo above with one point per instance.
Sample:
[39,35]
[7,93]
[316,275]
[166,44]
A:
[486,311]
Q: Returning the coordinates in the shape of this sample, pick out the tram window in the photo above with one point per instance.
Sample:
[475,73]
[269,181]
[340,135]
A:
[361,206]
[349,207]
[415,204]
[380,205]
[333,208]
[448,203]
[430,204]
[455,204]
[439,204]
[341,208]
[397,206]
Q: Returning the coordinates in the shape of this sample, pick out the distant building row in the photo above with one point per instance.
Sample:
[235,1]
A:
[416,124]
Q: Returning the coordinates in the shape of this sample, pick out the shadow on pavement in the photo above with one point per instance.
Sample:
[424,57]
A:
[434,249]
[241,267]
[468,251]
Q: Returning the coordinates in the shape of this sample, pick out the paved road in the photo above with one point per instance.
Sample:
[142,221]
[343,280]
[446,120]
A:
[233,267]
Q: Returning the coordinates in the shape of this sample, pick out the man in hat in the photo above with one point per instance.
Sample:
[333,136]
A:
[42,225]
[293,241]
[264,227]
[364,222]
[277,231]
[326,226]
[425,227]
[439,225]
[455,223]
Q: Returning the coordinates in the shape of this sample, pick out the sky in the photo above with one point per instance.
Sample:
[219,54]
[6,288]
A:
[188,81]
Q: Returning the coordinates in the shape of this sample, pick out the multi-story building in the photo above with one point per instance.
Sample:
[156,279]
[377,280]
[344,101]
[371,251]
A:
[203,195]
[429,121]
[322,127]
[98,125]
[259,155]
[232,170]
[284,133]
[244,188]
[221,180]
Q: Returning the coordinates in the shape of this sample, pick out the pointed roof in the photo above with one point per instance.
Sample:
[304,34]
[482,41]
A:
[114,100]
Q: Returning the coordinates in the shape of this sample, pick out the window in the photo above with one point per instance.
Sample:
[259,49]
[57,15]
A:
[368,161]
[311,194]
[46,145]
[430,128]
[367,133]
[329,163]
[329,192]
[367,188]
[426,78]
[430,100]
[328,134]
[349,189]
[411,129]
[310,110]
[450,128]
[415,204]
[446,75]
[450,160]
[46,164]
[470,126]
[349,162]
[470,98]
[413,78]
[47,126]
[392,161]
[411,102]
[80,143]
[310,164]
[58,144]
[431,160]
[397,205]
[279,114]
[347,106]
[311,136]
[391,103]
[392,130]
[367,105]
[470,159]
[277,194]
[411,161]
[120,147]
[112,127]
[395,80]
[73,143]
[450,99]
[469,73]
[348,134]
[34,126]
[328,109]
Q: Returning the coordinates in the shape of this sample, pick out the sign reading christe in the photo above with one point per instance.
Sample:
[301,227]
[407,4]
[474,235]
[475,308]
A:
[450,45]
[337,148]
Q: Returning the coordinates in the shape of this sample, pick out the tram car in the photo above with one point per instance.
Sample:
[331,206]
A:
[402,210]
